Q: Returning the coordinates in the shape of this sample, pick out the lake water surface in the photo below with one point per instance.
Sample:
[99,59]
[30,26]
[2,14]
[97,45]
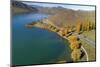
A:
[35,46]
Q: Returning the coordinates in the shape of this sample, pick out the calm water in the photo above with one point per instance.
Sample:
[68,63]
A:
[35,46]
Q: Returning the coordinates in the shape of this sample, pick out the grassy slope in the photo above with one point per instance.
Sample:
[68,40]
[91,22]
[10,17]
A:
[90,50]
[62,17]
[90,34]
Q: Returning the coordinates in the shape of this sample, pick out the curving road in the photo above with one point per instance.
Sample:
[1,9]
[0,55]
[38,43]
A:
[87,57]
[90,42]
[87,40]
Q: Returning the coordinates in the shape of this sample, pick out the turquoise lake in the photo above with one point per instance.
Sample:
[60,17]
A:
[35,45]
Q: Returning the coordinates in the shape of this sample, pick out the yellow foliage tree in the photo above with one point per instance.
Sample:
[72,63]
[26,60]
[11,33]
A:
[72,38]
[88,26]
[91,26]
[75,45]
[78,27]
[94,26]
[76,54]
[66,30]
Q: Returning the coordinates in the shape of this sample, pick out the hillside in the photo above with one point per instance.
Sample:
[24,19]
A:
[19,7]
[70,17]
[61,16]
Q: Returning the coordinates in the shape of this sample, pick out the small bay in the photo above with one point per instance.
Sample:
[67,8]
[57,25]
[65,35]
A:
[35,45]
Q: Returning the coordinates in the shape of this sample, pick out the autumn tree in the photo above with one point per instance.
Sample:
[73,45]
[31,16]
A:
[88,26]
[66,30]
[94,26]
[57,30]
[78,27]
[61,32]
[83,28]
[51,27]
[75,45]
[91,26]
[72,38]
[76,54]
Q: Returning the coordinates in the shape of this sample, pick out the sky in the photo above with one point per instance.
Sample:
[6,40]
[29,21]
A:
[70,6]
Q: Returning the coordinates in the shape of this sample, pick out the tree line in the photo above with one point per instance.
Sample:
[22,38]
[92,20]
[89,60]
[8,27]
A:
[75,46]
[85,26]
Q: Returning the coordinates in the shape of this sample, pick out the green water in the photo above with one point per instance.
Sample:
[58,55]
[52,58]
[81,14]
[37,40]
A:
[35,46]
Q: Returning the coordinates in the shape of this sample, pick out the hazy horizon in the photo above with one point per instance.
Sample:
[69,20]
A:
[68,6]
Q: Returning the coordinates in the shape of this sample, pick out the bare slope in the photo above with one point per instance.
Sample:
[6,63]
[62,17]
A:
[71,17]
[19,7]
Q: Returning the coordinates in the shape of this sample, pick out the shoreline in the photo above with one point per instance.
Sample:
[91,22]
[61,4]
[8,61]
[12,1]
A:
[46,26]
[53,28]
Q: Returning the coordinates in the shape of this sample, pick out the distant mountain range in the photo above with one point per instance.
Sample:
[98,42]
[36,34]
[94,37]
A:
[71,17]
[19,7]
[59,15]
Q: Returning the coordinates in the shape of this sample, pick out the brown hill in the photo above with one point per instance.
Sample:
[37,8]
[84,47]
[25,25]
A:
[70,17]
